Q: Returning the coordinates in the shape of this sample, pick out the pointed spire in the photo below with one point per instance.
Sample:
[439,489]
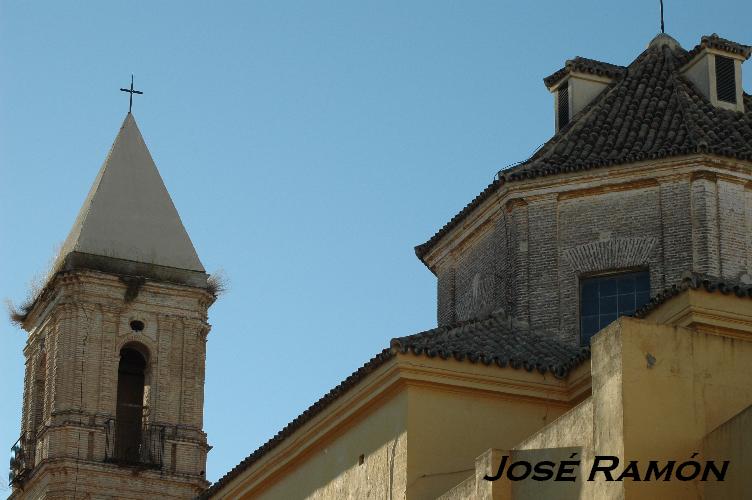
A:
[128,213]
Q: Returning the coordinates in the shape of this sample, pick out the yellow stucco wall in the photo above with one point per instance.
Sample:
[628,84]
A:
[333,471]
[570,433]
[448,429]
[658,390]
[476,487]
[731,441]
[696,382]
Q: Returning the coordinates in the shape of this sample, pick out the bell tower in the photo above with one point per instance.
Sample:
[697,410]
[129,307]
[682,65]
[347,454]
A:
[115,356]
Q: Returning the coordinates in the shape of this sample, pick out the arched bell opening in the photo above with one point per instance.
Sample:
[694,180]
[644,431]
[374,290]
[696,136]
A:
[129,417]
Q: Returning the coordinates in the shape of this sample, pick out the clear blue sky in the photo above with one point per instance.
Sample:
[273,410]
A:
[308,146]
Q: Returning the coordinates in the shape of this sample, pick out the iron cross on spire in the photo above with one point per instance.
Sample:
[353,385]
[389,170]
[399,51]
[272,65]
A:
[131,92]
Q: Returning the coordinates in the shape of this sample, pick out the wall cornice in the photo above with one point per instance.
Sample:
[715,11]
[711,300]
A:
[712,313]
[585,183]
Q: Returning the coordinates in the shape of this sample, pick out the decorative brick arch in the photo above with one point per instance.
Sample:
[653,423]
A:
[611,254]
[137,345]
[142,342]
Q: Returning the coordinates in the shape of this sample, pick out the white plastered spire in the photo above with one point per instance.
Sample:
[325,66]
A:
[128,213]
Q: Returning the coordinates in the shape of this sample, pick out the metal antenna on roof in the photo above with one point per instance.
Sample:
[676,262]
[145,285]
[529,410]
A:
[663,29]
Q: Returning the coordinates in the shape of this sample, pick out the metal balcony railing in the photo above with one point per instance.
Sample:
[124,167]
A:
[131,442]
[21,461]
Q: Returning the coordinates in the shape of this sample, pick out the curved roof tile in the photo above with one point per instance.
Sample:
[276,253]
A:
[696,281]
[650,112]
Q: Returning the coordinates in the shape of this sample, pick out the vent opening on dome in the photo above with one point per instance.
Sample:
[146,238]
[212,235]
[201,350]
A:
[563,106]
[725,79]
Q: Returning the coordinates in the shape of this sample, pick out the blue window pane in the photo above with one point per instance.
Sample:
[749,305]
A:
[589,306]
[608,305]
[626,284]
[607,287]
[626,304]
[590,289]
[604,298]
[642,282]
[588,328]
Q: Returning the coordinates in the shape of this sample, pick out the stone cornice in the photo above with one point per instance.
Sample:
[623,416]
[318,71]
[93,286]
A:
[588,183]
[65,283]
[63,464]
[608,188]
[713,313]
[465,232]
[460,376]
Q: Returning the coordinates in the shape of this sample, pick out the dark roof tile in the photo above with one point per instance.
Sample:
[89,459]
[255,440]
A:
[715,42]
[584,65]
[650,112]
[495,339]
[696,281]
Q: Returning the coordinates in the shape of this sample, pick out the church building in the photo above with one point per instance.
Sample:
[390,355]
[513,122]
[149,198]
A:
[594,300]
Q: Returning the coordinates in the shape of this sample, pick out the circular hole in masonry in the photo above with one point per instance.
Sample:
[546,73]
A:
[137,325]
